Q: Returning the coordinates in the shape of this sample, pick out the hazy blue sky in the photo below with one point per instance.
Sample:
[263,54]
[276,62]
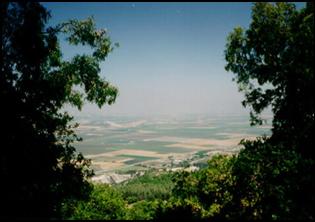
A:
[171,55]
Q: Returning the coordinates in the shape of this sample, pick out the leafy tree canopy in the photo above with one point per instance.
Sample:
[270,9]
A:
[39,166]
[273,64]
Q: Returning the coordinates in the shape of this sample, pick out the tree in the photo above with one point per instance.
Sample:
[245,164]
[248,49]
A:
[203,194]
[271,182]
[39,165]
[104,203]
[273,63]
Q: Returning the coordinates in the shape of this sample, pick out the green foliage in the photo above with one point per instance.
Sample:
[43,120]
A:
[176,209]
[39,165]
[184,164]
[83,70]
[148,187]
[104,203]
[142,210]
[272,182]
[263,182]
[273,63]
[138,199]
[207,191]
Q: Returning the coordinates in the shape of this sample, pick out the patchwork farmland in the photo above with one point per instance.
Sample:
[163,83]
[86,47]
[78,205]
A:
[119,144]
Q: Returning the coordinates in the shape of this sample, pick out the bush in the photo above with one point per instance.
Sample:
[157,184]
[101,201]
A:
[205,192]
[148,187]
[105,203]
[272,181]
[265,181]
[142,210]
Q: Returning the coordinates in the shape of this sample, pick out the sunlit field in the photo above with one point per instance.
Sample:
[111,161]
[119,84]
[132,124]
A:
[120,142]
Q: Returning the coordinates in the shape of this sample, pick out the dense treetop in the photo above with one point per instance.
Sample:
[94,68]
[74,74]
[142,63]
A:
[39,165]
[273,65]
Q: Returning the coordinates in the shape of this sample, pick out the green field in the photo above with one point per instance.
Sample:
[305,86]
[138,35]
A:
[136,159]
[122,138]
[107,134]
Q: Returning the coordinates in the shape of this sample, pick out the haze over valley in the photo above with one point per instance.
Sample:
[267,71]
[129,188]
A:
[124,144]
